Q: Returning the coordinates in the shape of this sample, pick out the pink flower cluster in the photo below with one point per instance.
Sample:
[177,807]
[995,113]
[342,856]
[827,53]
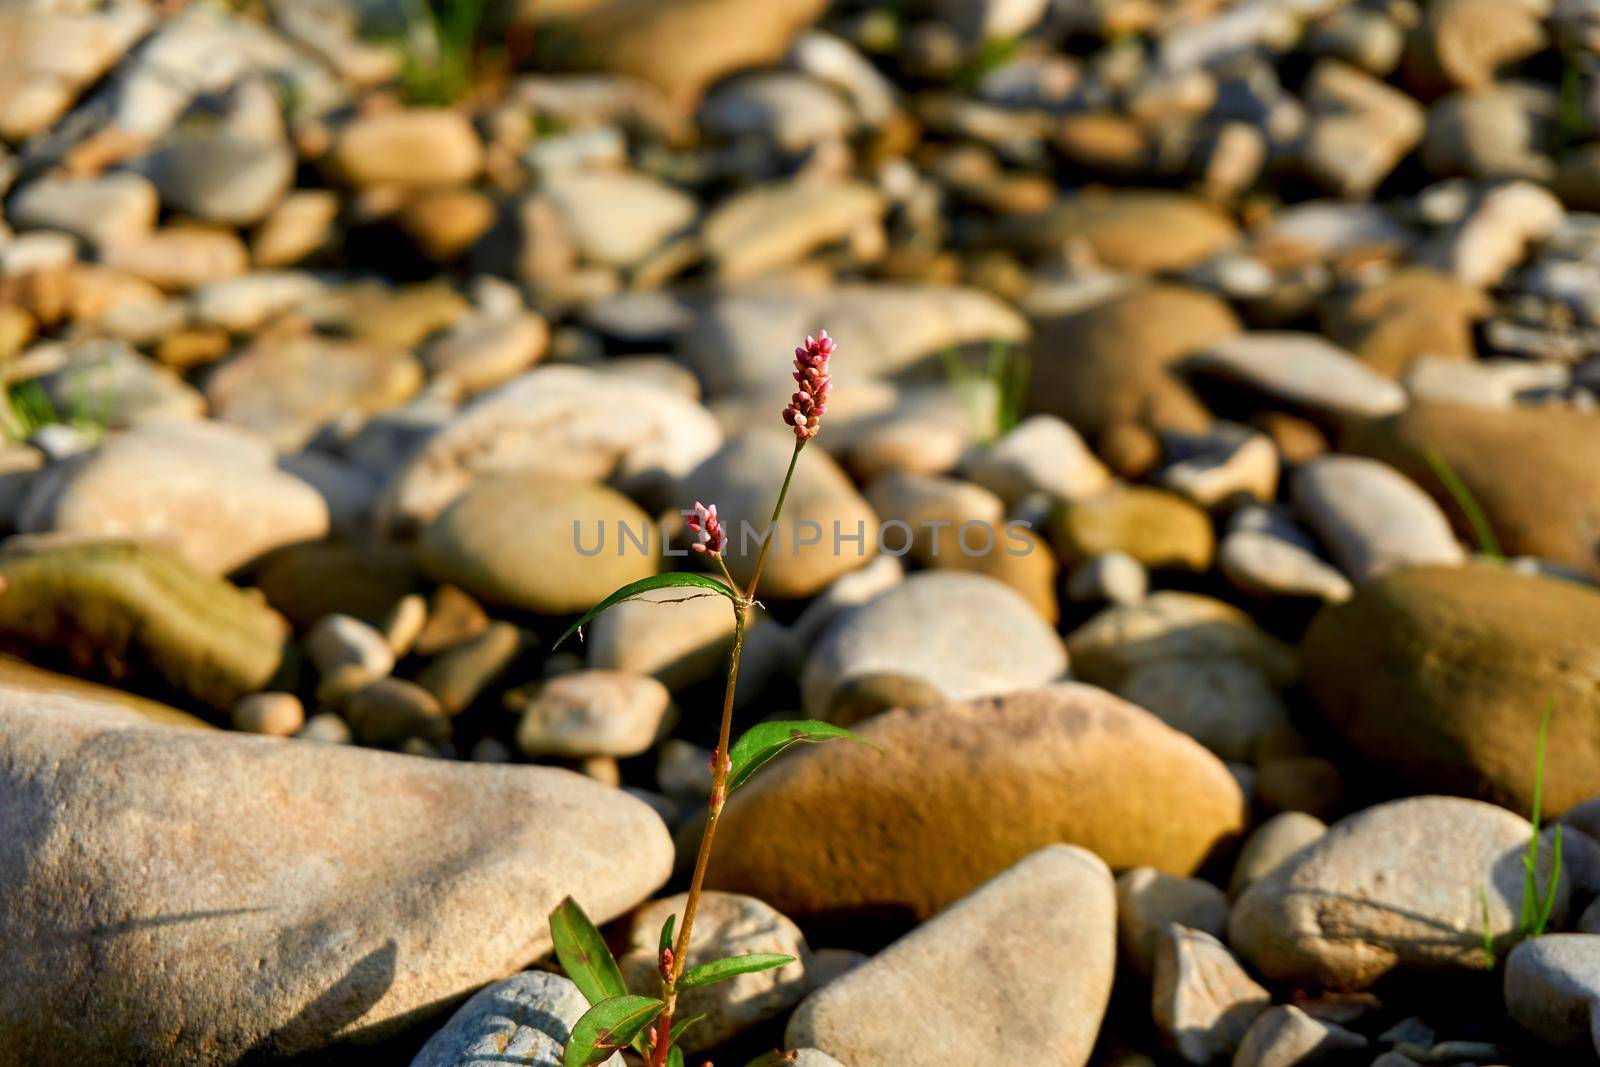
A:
[805,410]
[711,538]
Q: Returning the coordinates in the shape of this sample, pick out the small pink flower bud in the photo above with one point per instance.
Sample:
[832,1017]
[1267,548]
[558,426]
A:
[666,962]
[712,539]
[807,406]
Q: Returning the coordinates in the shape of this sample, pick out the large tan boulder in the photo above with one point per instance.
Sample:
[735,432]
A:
[962,791]
[1439,675]
[202,897]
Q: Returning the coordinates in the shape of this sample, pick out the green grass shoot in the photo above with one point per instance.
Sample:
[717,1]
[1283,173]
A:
[1482,532]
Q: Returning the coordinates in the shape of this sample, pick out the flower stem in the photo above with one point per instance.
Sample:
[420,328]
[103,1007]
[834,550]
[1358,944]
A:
[744,602]
[772,526]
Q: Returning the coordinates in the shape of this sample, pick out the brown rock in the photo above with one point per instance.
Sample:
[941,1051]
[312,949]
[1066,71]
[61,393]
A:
[1114,361]
[1439,676]
[842,828]
[1535,472]
[1415,311]
[308,581]
[1461,43]
[1154,527]
[1133,230]
[680,46]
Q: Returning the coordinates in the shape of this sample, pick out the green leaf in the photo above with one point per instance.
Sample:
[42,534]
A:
[645,585]
[666,931]
[764,741]
[608,1026]
[683,1024]
[584,955]
[675,1055]
[731,967]
[771,1059]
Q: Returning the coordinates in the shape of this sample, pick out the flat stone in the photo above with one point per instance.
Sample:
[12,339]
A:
[122,609]
[114,207]
[1264,564]
[1552,986]
[1366,898]
[594,713]
[1150,902]
[528,1016]
[958,635]
[1284,1036]
[822,509]
[1142,231]
[681,48]
[108,382]
[738,343]
[570,421]
[211,491]
[787,111]
[1114,360]
[1171,625]
[768,227]
[376,889]
[726,924]
[1270,844]
[1372,518]
[179,258]
[619,217]
[51,55]
[839,828]
[220,175]
[290,389]
[417,148]
[1040,454]
[1035,945]
[511,539]
[484,351]
[673,635]
[1158,529]
[1225,704]
[459,674]
[1201,998]
[1304,370]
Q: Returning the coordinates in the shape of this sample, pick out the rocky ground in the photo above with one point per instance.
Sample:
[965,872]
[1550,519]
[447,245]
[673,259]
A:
[1277,322]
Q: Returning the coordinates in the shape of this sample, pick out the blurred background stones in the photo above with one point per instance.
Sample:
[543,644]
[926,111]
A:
[352,347]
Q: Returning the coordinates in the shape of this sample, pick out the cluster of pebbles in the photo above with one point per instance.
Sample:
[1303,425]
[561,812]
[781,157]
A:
[1207,511]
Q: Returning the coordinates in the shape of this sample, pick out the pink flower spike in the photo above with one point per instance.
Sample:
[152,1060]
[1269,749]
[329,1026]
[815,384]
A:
[711,538]
[810,403]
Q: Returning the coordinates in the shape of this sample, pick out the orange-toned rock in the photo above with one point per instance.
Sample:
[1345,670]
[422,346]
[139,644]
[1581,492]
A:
[962,791]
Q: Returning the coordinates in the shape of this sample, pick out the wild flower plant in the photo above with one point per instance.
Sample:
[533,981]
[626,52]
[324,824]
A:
[617,1019]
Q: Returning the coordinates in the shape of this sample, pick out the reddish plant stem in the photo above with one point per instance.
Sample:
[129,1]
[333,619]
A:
[744,602]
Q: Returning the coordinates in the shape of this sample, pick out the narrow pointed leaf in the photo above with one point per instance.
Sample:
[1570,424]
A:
[764,741]
[683,1024]
[584,955]
[675,1056]
[645,585]
[666,931]
[732,967]
[608,1026]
